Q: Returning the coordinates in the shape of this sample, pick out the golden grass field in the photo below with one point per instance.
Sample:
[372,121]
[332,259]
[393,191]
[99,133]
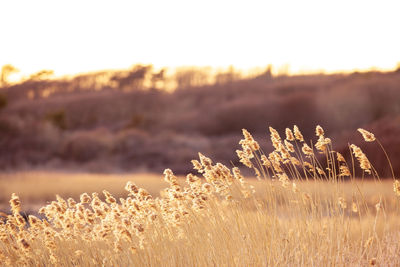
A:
[36,188]
[300,212]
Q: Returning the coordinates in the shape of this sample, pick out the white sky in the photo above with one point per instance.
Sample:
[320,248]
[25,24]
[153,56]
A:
[79,36]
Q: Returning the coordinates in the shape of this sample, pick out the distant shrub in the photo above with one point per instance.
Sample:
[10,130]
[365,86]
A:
[3,101]
[8,127]
[85,146]
[233,116]
[58,119]
[130,141]
[137,120]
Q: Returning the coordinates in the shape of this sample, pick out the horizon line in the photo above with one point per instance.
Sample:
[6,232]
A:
[276,70]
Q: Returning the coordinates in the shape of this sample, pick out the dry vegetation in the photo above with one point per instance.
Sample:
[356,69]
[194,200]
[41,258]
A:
[104,122]
[307,209]
[47,184]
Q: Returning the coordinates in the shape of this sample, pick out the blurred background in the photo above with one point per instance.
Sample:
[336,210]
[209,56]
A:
[124,87]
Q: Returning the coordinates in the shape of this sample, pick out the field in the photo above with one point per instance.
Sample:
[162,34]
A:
[179,133]
[303,207]
[36,189]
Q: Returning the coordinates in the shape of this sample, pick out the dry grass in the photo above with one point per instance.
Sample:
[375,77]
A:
[35,189]
[302,212]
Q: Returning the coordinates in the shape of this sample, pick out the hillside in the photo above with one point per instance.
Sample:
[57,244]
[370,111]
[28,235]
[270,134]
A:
[108,122]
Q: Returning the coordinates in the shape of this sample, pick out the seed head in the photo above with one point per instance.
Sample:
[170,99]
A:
[284,152]
[71,202]
[284,179]
[237,174]
[378,206]
[342,203]
[298,134]
[295,161]
[109,198]
[319,131]
[368,136]
[363,160]
[24,244]
[294,188]
[15,203]
[169,177]
[85,198]
[322,143]
[244,158]
[289,135]
[354,207]
[190,178]
[307,150]
[396,187]
[275,135]
[33,221]
[340,157]
[289,146]
[206,162]
[344,171]
[249,141]
[320,171]
[131,188]
[265,161]
[197,166]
